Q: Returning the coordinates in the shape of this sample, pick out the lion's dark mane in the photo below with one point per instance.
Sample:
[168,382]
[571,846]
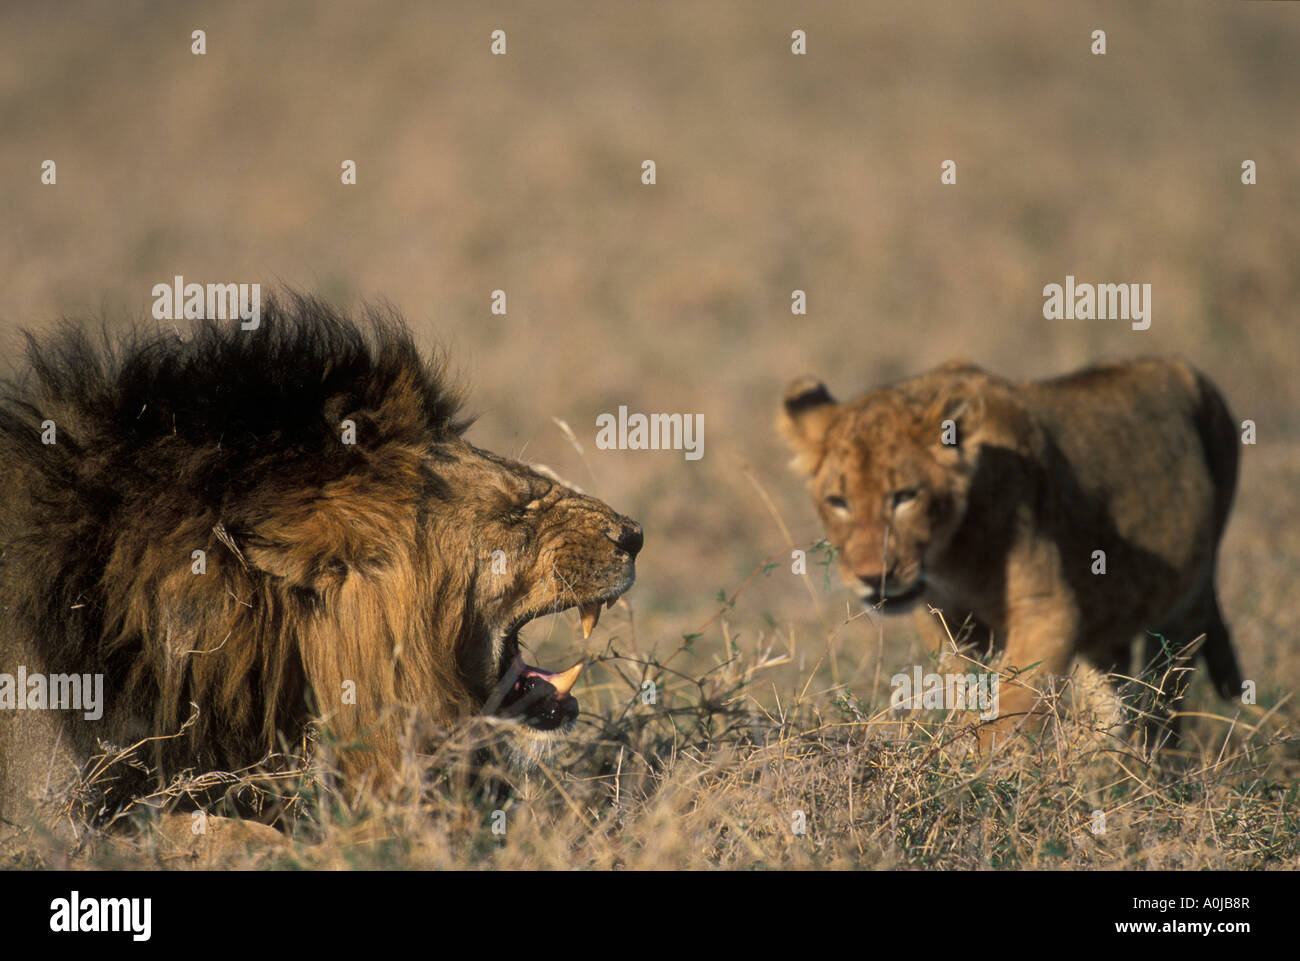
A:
[167,442]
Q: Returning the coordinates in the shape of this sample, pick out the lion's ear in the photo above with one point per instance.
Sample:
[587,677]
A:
[290,555]
[807,413]
[953,419]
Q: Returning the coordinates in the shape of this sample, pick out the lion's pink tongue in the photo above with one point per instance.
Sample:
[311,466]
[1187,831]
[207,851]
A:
[562,682]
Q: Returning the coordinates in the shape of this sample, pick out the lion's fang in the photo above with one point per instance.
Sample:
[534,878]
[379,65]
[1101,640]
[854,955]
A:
[590,616]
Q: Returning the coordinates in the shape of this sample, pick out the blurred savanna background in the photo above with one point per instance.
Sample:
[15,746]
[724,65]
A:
[775,172]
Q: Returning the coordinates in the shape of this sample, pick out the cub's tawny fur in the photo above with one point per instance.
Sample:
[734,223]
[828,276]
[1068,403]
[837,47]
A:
[989,499]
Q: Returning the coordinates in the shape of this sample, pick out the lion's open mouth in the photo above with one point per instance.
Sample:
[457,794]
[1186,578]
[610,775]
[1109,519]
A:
[539,698]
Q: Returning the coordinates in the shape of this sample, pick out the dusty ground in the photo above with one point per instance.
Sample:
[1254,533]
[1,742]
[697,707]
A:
[775,172]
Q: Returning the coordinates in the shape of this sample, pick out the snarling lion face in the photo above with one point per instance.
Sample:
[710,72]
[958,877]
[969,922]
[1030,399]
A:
[540,548]
[416,570]
[889,478]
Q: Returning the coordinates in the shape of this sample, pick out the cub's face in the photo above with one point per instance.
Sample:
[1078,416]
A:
[890,492]
[539,547]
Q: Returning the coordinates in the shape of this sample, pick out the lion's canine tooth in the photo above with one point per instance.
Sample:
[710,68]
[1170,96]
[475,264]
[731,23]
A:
[590,616]
[563,683]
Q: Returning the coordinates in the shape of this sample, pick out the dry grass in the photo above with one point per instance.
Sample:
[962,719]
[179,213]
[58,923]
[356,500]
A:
[722,770]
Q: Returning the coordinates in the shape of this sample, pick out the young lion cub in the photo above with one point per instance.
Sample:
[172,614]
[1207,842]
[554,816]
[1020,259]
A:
[1063,517]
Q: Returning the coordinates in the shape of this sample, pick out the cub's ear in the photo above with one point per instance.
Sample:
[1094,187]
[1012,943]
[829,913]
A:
[807,413]
[954,418]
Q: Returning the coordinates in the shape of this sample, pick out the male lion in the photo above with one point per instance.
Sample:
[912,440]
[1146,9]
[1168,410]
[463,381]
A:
[267,529]
[987,498]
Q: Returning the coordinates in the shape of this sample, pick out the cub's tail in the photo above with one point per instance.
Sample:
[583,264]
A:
[1220,445]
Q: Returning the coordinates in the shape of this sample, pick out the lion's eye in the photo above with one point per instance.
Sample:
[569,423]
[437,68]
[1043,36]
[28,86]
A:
[522,512]
[837,503]
[904,496]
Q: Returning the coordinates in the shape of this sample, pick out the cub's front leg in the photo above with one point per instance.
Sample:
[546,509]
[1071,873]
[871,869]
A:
[956,641]
[1039,648]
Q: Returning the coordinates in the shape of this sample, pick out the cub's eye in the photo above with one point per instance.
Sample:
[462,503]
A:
[901,497]
[837,503]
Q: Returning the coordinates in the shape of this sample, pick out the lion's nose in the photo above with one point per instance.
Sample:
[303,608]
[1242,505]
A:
[628,537]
